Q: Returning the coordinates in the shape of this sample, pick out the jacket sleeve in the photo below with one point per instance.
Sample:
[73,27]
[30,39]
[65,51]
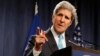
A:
[29,48]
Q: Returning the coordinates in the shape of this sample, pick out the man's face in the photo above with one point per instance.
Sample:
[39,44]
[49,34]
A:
[62,20]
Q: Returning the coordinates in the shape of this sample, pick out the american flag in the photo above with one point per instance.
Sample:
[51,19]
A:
[79,40]
[77,35]
[35,23]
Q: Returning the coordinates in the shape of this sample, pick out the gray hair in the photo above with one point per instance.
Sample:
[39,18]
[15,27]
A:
[66,5]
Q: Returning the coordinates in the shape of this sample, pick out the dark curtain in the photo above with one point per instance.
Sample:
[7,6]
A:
[16,17]
[15,20]
[89,18]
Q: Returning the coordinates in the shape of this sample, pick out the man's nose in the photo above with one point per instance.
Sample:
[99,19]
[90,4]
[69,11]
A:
[62,19]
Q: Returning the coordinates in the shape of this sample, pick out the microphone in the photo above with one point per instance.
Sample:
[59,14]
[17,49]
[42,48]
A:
[85,43]
[91,45]
[73,43]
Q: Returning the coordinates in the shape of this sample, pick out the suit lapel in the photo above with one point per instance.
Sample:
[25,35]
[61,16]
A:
[66,39]
[51,41]
[68,43]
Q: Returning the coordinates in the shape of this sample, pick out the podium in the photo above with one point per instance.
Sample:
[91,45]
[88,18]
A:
[76,51]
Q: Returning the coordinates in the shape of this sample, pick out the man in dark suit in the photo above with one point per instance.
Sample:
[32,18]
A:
[55,38]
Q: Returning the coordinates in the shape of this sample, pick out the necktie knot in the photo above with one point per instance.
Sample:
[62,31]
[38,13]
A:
[60,37]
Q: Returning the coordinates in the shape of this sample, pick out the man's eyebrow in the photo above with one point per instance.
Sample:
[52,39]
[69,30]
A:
[60,14]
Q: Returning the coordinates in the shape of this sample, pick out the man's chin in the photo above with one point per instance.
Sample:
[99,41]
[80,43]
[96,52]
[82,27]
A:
[60,31]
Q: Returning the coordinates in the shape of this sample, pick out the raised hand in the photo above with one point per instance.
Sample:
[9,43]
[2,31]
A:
[40,39]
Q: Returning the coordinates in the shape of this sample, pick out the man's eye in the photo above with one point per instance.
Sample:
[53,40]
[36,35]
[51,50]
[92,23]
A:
[66,17]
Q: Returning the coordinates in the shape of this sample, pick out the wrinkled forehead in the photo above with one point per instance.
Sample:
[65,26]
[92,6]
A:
[62,8]
[58,11]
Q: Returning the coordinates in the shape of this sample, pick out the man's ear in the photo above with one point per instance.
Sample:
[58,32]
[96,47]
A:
[70,23]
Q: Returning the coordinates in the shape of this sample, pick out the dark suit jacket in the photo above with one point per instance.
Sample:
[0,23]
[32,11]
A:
[49,47]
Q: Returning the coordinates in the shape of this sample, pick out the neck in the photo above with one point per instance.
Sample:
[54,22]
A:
[58,33]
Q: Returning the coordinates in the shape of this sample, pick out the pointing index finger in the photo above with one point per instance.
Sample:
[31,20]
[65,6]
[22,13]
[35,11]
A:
[38,31]
[45,36]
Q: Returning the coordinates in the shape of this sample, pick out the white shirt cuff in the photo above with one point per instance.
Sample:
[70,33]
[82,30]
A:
[36,53]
